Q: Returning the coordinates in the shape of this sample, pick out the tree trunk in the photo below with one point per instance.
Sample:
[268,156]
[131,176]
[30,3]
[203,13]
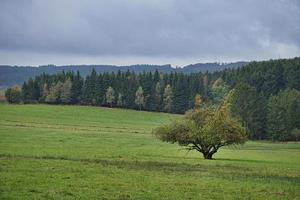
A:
[208,154]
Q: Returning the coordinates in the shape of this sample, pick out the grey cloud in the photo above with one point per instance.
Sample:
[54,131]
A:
[167,28]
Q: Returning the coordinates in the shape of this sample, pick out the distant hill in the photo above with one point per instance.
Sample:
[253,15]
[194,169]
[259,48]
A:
[210,67]
[16,75]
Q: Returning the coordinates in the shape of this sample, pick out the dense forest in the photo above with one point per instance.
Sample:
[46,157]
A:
[15,75]
[266,97]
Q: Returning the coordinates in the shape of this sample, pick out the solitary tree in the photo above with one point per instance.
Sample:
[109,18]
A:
[110,95]
[204,130]
[139,97]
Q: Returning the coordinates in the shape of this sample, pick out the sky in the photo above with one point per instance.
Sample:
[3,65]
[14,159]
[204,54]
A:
[124,32]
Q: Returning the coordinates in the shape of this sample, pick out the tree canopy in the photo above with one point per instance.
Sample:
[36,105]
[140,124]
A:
[204,129]
[13,95]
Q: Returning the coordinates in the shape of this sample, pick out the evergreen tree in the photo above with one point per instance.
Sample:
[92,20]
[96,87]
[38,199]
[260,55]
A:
[180,92]
[283,114]
[250,107]
[76,90]
[99,90]
[89,92]
[158,98]
[25,94]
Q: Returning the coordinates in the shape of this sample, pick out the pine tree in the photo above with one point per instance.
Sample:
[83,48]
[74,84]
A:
[76,90]
[181,95]
[249,106]
[89,92]
[283,114]
[158,99]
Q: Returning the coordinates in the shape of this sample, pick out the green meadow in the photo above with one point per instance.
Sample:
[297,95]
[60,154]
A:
[79,152]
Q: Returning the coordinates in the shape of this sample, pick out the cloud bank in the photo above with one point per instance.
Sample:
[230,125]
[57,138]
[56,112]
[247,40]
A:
[157,31]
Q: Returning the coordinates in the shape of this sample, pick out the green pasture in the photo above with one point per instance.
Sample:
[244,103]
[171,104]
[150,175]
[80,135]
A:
[80,152]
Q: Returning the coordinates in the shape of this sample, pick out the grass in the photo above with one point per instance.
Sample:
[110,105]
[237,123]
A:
[77,152]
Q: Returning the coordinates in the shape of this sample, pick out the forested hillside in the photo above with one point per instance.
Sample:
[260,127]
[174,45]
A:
[16,75]
[267,97]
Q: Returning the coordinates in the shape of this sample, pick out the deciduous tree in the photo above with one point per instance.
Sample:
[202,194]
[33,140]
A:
[13,95]
[139,97]
[168,99]
[66,92]
[205,130]
[110,96]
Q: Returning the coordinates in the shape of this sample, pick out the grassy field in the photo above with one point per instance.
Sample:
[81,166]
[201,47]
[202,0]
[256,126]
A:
[76,152]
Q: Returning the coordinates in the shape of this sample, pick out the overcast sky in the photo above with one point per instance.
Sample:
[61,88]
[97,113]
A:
[179,32]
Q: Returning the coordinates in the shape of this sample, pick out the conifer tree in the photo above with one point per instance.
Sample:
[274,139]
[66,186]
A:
[250,107]
[284,115]
[158,99]
[181,97]
[76,90]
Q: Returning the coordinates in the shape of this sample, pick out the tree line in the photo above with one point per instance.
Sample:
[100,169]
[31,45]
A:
[266,96]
